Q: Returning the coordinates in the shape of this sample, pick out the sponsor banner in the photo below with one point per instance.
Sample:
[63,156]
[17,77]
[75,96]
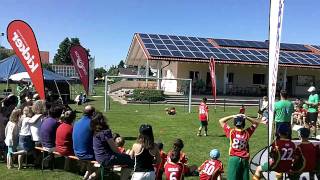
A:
[24,43]
[79,57]
[213,78]
[275,25]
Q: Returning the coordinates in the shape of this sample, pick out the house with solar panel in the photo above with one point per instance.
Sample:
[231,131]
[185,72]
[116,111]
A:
[241,65]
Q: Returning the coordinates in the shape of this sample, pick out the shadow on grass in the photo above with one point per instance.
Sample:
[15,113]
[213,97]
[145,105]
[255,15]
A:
[130,138]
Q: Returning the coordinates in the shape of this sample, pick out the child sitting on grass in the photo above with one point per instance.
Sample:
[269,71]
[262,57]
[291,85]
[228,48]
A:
[178,146]
[174,169]
[12,135]
[211,169]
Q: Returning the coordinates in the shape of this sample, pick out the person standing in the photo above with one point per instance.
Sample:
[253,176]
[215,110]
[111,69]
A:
[203,117]
[312,114]
[283,112]
[238,164]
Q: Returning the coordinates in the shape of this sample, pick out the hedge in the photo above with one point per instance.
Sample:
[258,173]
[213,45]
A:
[148,95]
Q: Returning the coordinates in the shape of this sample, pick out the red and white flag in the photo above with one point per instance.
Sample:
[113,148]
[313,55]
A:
[23,41]
[79,57]
[212,64]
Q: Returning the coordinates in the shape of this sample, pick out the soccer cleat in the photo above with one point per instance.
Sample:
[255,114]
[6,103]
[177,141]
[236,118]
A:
[205,134]
[198,134]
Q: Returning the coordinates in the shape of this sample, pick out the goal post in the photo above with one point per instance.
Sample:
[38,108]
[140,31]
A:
[159,84]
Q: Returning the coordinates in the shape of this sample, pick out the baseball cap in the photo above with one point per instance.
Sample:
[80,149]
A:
[215,153]
[311,89]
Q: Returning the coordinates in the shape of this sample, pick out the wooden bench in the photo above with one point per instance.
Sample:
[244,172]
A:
[116,168]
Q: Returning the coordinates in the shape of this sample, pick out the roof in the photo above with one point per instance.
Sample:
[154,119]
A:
[183,48]
[12,65]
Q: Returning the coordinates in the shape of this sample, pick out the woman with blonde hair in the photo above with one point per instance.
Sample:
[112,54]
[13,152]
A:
[39,110]
[11,133]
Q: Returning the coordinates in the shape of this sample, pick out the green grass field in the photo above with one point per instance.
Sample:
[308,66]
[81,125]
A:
[126,119]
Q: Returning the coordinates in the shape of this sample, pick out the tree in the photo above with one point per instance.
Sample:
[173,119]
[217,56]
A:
[113,71]
[63,56]
[121,64]
[99,72]
[4,53]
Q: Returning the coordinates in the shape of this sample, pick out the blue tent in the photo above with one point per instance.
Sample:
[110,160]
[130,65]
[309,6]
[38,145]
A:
[12,65]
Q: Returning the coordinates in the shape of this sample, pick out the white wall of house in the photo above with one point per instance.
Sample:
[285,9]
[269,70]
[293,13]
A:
[243,75]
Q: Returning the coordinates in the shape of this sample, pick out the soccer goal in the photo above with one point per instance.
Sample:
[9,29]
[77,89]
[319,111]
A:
[147,90]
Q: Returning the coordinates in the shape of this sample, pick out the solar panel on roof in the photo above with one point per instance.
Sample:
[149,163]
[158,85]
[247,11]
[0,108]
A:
[172,47]
[144,35]
[154,36]
[153,52]
[193,47]
[147,41]
[183,48]
[178,43]
[187,54]
[150,46]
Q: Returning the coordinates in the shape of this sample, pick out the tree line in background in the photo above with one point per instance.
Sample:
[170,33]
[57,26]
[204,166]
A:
[112,71]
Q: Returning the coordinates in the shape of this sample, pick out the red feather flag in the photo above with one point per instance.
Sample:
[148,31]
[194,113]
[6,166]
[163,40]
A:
[212,64]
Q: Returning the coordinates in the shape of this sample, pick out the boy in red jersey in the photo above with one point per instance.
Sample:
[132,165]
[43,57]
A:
[203,117]
[174,169]
[282,155]
[160,167]
[213,168]
[306,153]
[238,164]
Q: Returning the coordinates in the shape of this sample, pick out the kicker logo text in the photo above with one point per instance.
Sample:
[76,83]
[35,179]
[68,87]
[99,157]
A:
[25,52]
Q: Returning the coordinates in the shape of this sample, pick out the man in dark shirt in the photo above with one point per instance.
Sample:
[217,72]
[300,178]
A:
[49,127]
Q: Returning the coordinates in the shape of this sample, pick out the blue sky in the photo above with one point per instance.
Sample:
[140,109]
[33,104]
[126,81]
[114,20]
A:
[107,27]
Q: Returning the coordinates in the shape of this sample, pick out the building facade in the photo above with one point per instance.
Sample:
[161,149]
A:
[241,66]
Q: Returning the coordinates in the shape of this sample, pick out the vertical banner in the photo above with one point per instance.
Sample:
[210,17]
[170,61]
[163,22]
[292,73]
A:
[213,78]
[79,57]
[24,43]
[275,25]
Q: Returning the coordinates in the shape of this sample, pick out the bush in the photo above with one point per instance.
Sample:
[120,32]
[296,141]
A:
[148,95]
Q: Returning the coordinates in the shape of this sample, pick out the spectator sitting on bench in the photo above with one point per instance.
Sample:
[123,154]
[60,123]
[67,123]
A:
[3,120]
[120,144]
[82,136]
[64,134]
[105,149]
[49,127]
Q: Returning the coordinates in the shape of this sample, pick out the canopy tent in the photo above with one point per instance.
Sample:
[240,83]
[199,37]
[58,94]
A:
[13,69]
[12,66]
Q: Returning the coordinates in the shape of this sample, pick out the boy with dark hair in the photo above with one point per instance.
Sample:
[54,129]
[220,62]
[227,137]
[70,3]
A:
[120,141]
[203,117]
[238,165]
[282,155]
[213,168]
[305,154]
[174,168]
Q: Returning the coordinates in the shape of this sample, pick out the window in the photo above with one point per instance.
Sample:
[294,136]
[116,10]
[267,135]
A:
[230,78]
[305,80]
[194,75]
[258,79]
